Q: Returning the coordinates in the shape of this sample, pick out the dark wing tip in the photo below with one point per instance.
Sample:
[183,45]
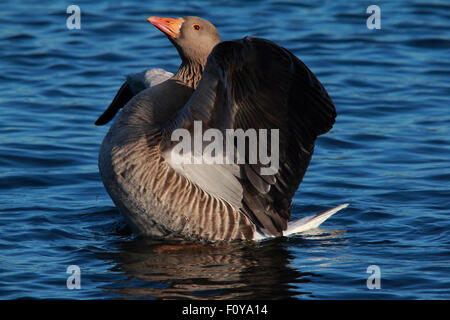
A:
[103,119]
[120,100]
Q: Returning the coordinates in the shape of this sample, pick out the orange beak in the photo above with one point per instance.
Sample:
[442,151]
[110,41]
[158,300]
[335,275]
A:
[170,26]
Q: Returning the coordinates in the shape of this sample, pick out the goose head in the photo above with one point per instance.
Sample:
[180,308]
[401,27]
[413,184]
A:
[193,37]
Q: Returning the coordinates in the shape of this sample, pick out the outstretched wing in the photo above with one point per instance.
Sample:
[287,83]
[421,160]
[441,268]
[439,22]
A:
[120,100]
[255,84]
[135,83]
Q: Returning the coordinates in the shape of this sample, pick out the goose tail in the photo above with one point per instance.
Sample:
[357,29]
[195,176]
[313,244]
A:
[311,222]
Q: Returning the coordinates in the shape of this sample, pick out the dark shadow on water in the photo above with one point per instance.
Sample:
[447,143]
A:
[164,270]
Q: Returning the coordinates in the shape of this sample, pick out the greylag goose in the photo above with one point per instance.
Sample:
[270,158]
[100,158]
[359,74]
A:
[243,84]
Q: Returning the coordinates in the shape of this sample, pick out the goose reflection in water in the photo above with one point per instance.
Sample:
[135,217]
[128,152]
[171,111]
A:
[187,270]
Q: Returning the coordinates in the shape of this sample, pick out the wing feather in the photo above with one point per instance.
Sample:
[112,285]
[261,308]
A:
[255,84]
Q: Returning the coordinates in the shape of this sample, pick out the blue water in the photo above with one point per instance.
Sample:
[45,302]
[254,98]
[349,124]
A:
[388,154]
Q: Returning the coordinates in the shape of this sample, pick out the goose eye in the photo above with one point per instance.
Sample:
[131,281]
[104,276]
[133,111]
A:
[196,27]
